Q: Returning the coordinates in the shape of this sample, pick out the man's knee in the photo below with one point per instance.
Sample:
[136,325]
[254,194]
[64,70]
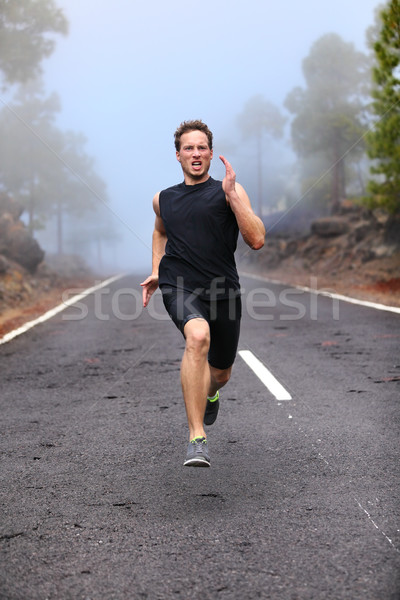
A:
[197,334]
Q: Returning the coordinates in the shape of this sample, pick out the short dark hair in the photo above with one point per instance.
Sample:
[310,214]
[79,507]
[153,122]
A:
[196,125]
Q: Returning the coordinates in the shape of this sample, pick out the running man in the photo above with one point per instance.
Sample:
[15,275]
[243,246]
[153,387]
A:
[194,240]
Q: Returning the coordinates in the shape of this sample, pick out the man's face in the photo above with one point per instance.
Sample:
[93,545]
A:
[195,156]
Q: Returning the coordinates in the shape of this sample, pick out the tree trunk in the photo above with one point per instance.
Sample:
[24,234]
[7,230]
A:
[31,211]
[99,255]
[259,175]
[336,177]
[342,179]
[31,205]
[59,229]
[361,179]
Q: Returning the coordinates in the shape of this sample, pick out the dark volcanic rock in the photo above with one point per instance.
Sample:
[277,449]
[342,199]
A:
[340,243]
[10,206]
[392,230]
[16,243]
[24,249]
[4,264]
[329,226]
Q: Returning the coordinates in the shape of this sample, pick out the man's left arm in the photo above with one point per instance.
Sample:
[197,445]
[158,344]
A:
[251,227]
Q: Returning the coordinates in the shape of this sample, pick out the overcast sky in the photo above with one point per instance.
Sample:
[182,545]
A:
[129,72]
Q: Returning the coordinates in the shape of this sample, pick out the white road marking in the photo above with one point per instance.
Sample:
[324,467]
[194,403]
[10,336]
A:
[53,311]
[394,309]
[376,526]
[265,376]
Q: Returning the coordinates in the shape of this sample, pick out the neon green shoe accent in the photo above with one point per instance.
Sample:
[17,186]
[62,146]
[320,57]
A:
[214,398]
[199,437]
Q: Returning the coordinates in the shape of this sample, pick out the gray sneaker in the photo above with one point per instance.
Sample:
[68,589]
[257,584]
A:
[197,453]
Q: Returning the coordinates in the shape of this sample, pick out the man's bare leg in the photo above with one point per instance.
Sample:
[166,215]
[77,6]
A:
[195,374]
[218,378]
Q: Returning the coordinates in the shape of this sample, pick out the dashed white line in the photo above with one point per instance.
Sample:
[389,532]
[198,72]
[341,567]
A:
[52,312]
[264,375]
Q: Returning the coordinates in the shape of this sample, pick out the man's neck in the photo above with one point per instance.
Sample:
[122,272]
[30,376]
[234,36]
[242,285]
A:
[193,181]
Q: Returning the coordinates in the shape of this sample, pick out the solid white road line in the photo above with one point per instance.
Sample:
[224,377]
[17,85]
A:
[265,376]
[50,313]
[394,309]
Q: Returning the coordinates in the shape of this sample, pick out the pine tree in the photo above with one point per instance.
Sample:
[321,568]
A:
[260,116]
[384,140]
[327,126]
[26,29]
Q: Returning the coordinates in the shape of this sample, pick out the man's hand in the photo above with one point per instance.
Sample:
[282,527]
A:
[251,227]
[228,183]
[149,286]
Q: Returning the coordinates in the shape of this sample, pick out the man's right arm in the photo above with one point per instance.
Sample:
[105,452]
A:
[150,284]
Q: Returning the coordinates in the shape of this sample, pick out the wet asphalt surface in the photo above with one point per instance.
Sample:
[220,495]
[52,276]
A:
[301,500]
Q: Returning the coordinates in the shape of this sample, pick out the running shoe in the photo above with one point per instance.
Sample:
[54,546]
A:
[212,409]
[197,453]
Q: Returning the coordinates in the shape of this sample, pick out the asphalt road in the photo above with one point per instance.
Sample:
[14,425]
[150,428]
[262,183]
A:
[301,500]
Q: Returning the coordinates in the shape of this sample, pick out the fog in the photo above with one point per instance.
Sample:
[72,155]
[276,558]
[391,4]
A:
[129,72]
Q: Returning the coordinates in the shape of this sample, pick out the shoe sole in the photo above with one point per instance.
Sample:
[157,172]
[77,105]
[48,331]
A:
[210,422]
[196,462]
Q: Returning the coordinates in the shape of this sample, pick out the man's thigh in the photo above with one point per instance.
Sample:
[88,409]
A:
[183,306]
[225,331]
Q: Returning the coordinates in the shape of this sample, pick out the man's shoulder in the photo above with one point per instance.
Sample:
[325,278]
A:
[215,183]
[173,188]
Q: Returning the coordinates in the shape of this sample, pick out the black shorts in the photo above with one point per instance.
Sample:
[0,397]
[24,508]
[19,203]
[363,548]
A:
[222,315]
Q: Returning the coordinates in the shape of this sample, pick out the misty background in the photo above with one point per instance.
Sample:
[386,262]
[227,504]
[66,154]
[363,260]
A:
[128,73]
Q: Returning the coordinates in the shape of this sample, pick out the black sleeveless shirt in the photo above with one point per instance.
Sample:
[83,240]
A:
[202,234]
